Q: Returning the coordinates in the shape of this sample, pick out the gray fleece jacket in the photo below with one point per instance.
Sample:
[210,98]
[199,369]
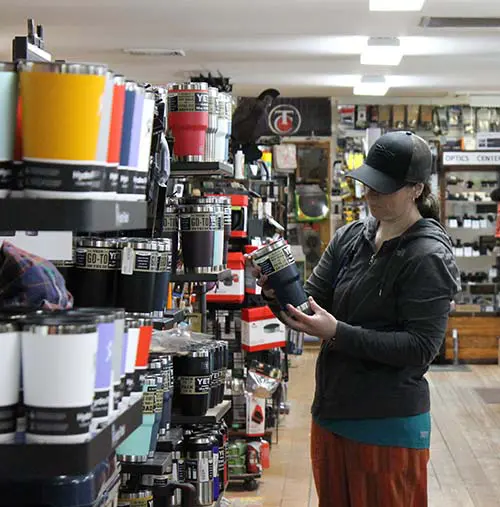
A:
[392,310]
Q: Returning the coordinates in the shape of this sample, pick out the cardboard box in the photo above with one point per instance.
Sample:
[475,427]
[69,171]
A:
[261,330]
[235,292]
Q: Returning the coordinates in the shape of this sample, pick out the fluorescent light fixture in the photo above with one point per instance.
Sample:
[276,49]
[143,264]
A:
[374,86]
[382,51]
[397,5]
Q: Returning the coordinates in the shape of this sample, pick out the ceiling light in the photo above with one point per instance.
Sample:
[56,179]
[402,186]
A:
[397,5]
[382,51]
[374,86]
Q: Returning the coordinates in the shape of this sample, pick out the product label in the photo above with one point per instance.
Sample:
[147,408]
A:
[129,384]
[198,222]
[212,104]
[170,223]
[276,260]
[123,181]
[8,419]
[200,470]
[58,421]
[149,400]
[172,102]
[112,179]
[222,459]
[180,466]
[100,405]
[194,385]
[64,177]
[159,401]
[117,396]
[102,259]
[215,464]
[162,262]
[191,101]
[6,175]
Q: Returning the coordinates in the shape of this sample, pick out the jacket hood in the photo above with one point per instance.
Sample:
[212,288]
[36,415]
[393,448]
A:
[424,228]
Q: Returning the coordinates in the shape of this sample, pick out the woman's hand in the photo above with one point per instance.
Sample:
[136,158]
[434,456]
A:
[261,279]
[321,324]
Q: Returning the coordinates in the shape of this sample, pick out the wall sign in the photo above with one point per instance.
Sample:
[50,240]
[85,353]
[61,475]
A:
[471,158]
[299,117]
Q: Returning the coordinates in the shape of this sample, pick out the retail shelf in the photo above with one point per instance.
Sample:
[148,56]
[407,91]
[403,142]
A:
[181,169]
[164,443]
[71,215]
[159,465]
[48,460]
[214,415]
[201,277]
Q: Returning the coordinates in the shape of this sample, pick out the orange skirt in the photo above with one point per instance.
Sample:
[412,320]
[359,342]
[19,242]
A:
[351,474]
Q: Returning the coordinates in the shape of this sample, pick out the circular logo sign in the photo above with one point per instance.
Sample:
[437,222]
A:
[284,120]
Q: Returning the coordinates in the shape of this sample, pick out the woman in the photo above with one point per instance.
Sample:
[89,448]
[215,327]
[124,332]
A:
[380,299]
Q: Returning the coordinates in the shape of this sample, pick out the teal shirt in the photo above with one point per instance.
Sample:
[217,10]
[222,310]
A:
[409,432]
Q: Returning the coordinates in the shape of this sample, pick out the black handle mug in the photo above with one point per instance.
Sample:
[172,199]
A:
[276,261]
[163,495]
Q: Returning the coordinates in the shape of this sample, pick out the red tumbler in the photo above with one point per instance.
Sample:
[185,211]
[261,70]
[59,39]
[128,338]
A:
[188,120]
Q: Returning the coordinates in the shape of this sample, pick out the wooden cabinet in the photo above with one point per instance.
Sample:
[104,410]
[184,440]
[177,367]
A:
[477,338]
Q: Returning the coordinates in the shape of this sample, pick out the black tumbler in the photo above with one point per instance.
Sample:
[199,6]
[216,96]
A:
[171,228]
[137,277]
[163,272]
[198,224]
[193,373]
[214,383]
[97,262]
[276,261]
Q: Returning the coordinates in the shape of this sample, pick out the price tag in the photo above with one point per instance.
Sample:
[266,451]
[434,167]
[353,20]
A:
[128,261]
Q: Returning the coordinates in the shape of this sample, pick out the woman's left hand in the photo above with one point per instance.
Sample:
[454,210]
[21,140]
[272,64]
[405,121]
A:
[321,324]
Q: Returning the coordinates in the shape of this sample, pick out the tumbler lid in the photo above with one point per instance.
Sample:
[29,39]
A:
[63,68]
[119,80]
[7,327]
[140,244]
[60,324]
[101,315]
[270,247]
[8,67]
[96,242]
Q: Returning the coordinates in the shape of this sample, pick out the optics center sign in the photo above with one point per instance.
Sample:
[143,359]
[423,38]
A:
[285,120]
[471,158]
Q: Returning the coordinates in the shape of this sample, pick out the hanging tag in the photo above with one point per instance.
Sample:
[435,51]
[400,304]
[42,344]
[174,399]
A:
[128,261]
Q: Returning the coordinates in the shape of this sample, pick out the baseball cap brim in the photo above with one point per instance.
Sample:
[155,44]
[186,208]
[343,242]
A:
[376,180]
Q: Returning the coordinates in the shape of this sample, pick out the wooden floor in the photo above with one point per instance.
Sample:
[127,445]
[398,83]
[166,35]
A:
[465,463]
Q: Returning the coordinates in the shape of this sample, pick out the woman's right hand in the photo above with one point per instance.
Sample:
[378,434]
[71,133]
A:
[261,279]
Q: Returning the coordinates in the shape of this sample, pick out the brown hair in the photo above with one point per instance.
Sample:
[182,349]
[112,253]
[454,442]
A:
[428,204]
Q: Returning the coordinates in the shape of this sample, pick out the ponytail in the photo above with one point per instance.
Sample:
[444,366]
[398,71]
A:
[428,204]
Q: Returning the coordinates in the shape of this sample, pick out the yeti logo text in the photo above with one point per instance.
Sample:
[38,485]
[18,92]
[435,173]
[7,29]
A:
[285,120]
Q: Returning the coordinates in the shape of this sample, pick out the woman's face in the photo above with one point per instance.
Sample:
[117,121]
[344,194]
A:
[391,207]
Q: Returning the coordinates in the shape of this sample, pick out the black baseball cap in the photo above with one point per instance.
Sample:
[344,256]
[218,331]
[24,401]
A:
[395,160]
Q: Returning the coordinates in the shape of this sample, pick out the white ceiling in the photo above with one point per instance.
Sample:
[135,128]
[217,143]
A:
[302,47]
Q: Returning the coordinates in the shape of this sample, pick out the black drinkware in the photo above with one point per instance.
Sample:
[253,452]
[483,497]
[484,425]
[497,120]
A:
[198,223]
[168,378]
[171,228]
[136,279]
[214,381]
[193,374]
[97,262]
[276,261]
[200,468]
[223,371]
[163,271]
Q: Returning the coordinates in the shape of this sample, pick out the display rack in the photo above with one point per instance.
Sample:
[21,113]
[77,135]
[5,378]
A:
[84,215]
[201,277]
[36,461]
[213,415]
[184,169]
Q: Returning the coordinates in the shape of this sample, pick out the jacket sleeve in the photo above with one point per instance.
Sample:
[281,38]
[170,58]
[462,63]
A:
[424,293]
